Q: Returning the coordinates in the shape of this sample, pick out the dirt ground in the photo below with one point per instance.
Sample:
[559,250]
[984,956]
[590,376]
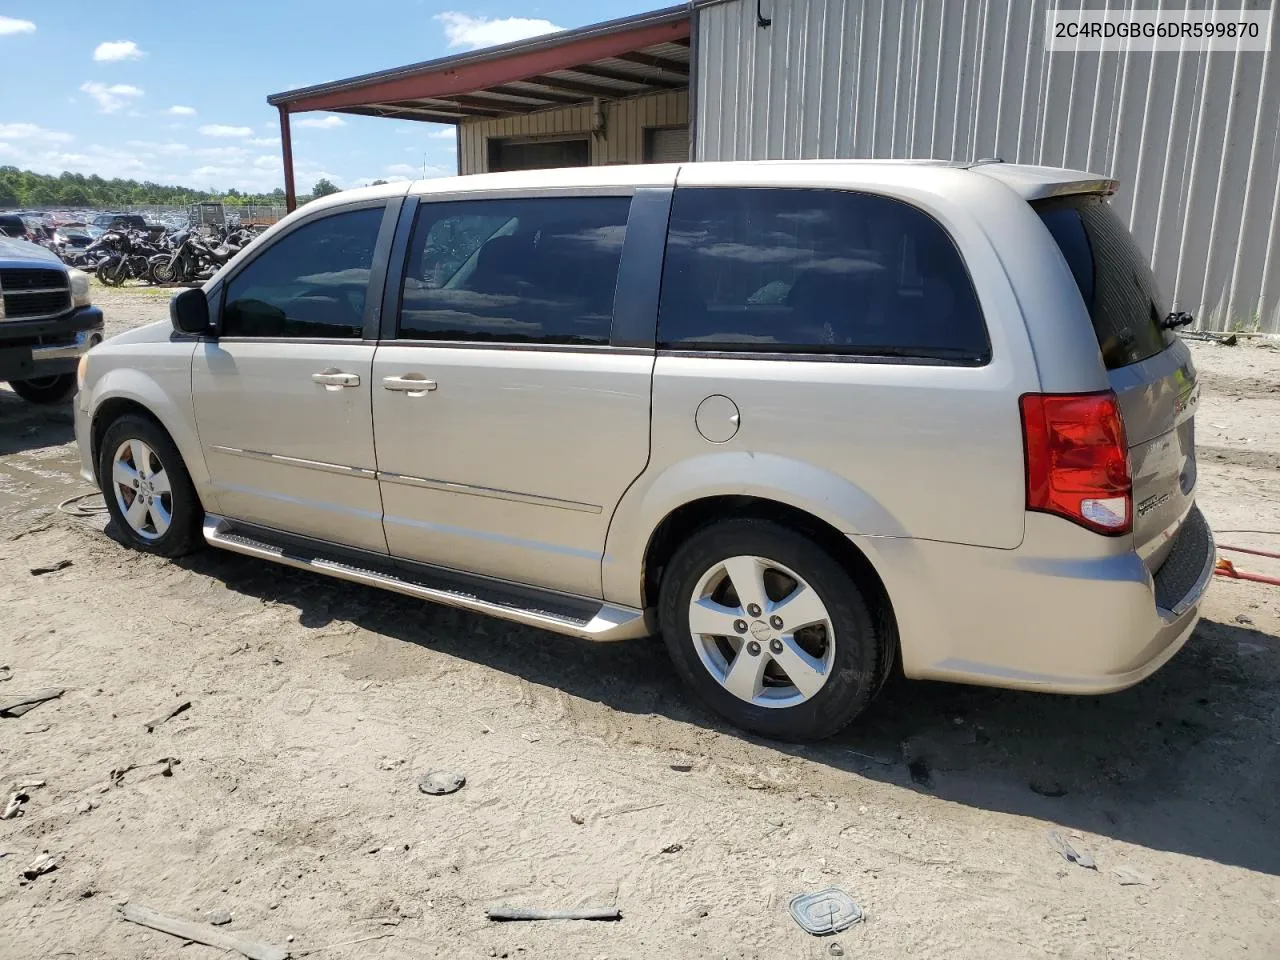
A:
[591,777]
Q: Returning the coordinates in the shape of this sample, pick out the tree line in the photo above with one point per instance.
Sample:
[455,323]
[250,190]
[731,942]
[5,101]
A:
[23,188]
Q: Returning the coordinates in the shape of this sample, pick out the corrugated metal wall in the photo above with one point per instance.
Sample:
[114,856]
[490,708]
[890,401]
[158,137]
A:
[1194,138]
[623,140]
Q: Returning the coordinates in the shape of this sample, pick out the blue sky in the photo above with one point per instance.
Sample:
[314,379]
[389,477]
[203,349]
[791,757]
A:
[176,92]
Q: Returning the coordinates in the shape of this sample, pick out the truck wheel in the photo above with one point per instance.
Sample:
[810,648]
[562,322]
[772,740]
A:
[148,491]
[56,389]
[769,630]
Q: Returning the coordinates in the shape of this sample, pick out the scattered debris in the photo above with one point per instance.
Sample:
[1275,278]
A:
[44,863]
[5,673]
[1243,620]
[13,808]
[219,917]
[825,912]
[438,782]
[577,913]
[578,818]
[682,767]
[38,728]
[201,933]
[17,706]
[28,785]
[160,718]
[390,763]
[919,770]
[1048,788]
[836,950]
[1230,340]
[883,761]
[84,806]
[1132,877]
[673,848]
[116,777]
[531,737]
[50,568]
[1069,853]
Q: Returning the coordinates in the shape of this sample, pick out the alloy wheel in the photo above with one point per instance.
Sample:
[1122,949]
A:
[762,632]
[142,489]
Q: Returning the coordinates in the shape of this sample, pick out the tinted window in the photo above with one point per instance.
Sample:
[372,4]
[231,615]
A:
[12,227]
[1114,278]
[514,271]
[814,271]
[311,283]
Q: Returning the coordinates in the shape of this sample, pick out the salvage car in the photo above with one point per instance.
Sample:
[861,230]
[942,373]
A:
[46,322]
[806,419]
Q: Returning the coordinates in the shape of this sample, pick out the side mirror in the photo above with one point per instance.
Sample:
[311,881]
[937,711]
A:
[189,312]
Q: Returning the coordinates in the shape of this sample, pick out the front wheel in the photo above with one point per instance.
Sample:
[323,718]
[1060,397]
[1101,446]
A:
[147,487]
[113,271]
[770,630]
[47,390]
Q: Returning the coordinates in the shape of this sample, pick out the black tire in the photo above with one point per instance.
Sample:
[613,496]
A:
[183,505]
[113,271]
[857,667]
[58,388]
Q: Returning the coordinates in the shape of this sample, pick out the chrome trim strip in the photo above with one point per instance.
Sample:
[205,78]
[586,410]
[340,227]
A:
[296,461]
[65,351]
[448,486]
[609,623]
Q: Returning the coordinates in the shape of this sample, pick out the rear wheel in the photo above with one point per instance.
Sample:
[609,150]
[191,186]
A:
[58,388]
[770,631]
[148,491]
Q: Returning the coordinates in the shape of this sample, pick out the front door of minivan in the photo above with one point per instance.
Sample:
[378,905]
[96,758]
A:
[507,425]
[282,397]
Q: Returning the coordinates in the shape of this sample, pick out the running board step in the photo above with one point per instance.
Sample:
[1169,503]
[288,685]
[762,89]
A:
[572,616]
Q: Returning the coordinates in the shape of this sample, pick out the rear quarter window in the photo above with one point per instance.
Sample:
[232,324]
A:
[812,271]
[1114,278]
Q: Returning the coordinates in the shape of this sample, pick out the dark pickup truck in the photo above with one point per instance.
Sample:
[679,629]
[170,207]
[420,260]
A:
[46,322]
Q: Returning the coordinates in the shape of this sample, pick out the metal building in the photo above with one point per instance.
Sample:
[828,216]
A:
[1193,137]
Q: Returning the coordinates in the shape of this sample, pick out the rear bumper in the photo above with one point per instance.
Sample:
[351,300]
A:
[1044,621]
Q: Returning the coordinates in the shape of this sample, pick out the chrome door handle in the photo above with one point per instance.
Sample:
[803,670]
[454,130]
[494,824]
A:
[335,379]
[414,384]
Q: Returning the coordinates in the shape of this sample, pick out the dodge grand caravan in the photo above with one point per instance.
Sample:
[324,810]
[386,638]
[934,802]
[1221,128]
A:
[804,419]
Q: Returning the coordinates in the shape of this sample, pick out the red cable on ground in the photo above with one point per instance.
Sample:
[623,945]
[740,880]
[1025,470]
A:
[1256,553]
[1225,568]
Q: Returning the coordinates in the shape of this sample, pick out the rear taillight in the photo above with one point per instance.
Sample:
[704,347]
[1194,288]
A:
[1078,460]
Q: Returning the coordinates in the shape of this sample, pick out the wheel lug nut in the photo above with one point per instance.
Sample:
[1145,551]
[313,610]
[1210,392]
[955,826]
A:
[775,646]
[753,609]
[740,626]
[753,648]
[775,622]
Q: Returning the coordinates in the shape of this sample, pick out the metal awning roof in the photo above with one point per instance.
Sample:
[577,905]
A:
[647,53]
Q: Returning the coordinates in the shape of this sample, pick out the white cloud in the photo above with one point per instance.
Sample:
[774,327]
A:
[409,171]
[111,98]
[267,163]
[403,170]
[114,51]
[322,123]
[178,110]
[464,30]
[29,131]
[220,153]
[169,148]
[447,133]
[222,130]
[9,25]
[265,141]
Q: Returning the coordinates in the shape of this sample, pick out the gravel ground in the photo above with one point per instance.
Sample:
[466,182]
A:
[591,778]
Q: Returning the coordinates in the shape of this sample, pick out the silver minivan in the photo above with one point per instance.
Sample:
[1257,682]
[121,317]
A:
[808,420]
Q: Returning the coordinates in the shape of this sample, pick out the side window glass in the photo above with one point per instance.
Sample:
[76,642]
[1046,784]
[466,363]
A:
[814,271]
[311,283]
[514,271]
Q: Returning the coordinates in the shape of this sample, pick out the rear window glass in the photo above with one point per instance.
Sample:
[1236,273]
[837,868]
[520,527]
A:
[1114,278]
[771,270]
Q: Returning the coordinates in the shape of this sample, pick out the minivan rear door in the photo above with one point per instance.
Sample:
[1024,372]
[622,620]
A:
[1149,368]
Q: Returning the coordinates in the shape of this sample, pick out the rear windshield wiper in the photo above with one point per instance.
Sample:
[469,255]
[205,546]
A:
[1175,320]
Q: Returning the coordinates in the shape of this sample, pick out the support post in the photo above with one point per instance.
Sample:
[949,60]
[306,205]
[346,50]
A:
[286,147]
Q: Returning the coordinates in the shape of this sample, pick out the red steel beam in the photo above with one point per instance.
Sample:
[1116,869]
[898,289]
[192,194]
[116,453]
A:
[286,147]
[477,76]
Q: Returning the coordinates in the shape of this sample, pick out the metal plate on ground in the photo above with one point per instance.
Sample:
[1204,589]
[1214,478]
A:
[825,912]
